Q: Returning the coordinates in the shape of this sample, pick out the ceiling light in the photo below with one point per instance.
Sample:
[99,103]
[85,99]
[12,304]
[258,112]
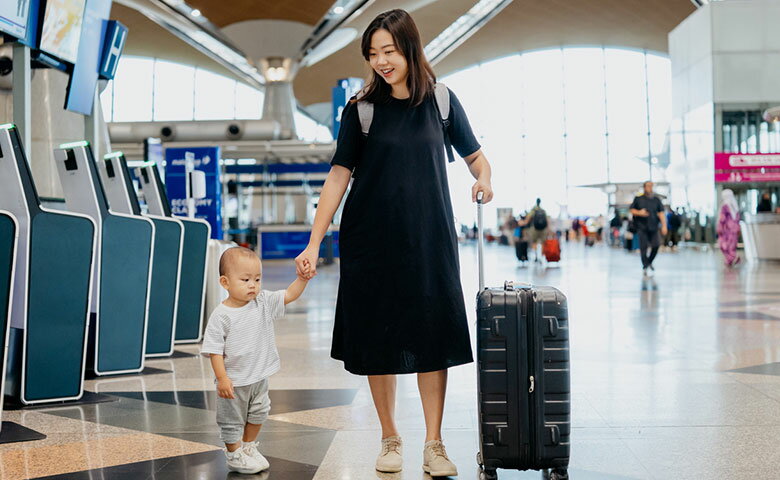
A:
[338,10]
[276,74]
[195,13]
[463,28]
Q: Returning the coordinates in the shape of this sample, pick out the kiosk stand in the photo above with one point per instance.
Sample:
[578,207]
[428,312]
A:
[9,232]
[52,287]
[168,242]
[123,265]
[192,284]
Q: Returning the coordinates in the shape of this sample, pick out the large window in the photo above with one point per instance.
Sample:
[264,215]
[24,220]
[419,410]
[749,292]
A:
[147,89]
[553,121]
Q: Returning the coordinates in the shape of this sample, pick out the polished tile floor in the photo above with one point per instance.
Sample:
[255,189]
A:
[673,377]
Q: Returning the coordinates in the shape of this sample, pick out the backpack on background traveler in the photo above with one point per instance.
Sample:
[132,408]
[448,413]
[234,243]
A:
[540,219]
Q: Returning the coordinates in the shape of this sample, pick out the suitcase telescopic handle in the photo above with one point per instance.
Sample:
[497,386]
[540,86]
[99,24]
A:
[480,243]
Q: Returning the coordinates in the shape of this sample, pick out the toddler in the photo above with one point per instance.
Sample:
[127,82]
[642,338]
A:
[239,339]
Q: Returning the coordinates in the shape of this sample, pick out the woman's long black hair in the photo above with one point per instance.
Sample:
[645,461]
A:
[420,78]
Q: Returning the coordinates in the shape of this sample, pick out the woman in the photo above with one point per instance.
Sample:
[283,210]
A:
[728,227]
[400,305]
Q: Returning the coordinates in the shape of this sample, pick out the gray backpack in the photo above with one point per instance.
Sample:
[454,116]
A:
[442,95]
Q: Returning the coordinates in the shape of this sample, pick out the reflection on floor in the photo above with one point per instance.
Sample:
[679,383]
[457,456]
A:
[675,376]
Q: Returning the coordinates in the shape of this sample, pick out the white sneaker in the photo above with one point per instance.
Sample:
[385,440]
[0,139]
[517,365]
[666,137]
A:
[436,462]
[390,460]
[239,461]
[251,449]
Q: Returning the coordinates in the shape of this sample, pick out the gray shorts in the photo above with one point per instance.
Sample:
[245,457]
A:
[251,405]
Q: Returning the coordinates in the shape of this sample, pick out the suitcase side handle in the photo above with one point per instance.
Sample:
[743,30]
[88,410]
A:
[555,434]
[499,440]
[553,326]
[495,329]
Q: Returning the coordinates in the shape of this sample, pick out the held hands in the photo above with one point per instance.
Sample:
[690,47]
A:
[306,274]
[664,231]
[225,388]
[485,188]
[306,263]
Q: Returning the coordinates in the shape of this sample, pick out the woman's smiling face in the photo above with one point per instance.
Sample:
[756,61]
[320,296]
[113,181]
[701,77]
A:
[386,59]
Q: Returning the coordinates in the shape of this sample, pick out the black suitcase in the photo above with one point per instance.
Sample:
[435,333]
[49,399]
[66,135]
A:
[521,250]
[523,378]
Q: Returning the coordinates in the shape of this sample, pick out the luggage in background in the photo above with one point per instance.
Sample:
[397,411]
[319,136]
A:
[552,250]
[521,250]
[590,240]
[523,381]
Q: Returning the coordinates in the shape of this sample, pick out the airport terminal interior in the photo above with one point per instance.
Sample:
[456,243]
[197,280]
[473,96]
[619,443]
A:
[628,159]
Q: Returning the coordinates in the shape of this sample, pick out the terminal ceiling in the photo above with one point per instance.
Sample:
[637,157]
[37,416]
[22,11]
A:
[523,25]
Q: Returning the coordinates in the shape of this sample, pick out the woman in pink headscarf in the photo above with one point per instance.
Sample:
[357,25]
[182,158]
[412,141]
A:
[728,227]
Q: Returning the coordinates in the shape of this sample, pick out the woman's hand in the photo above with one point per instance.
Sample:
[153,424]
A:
[485,188]
[306,263]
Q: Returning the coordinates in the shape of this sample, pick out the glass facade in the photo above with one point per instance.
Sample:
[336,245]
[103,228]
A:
[149,89]
[553,121]
[745,131]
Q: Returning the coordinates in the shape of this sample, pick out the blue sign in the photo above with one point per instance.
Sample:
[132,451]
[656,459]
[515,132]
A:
[339,97]
[205,159]
[345,89]
[116,36]
[83,80]
[280,245]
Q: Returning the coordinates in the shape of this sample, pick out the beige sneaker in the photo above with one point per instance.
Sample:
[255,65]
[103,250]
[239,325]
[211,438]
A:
[435,460]
[390,459]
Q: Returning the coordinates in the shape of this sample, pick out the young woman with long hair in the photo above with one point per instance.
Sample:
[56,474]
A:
[400,304]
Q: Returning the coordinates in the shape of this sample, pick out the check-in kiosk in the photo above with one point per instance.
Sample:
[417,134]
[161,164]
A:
[123,266]
[192,284]
[8,239]
[52,287]
[168,242]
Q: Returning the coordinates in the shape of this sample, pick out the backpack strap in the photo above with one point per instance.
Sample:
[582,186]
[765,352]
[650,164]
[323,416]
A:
[365,112]
[442,95]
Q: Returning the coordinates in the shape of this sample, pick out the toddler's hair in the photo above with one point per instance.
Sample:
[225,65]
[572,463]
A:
[229,256]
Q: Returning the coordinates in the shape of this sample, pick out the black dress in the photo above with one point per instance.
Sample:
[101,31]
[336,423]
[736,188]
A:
[400,304]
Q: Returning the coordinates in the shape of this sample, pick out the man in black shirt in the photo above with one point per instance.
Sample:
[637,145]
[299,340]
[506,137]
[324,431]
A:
[648,212]
[765,205]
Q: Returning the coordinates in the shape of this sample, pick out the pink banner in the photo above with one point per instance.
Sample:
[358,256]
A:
[747,167]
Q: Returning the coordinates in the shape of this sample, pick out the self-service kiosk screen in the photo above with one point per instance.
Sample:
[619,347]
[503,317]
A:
[13,17]
[61,30]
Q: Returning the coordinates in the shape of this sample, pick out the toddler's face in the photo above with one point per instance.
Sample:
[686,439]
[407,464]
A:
[242,281]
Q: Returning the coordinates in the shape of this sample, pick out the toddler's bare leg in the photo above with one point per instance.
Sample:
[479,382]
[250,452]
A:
[251,431]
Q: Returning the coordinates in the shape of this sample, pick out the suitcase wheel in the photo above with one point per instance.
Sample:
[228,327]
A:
[487,474]
[557,474]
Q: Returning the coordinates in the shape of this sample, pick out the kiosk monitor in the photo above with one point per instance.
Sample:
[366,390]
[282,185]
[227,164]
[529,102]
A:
[13,17]
[61,30]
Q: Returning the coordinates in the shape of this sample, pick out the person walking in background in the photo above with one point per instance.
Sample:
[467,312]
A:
[765,205]
[648,212]
[728,227]
[674,223]
[537,233]
[614,229]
